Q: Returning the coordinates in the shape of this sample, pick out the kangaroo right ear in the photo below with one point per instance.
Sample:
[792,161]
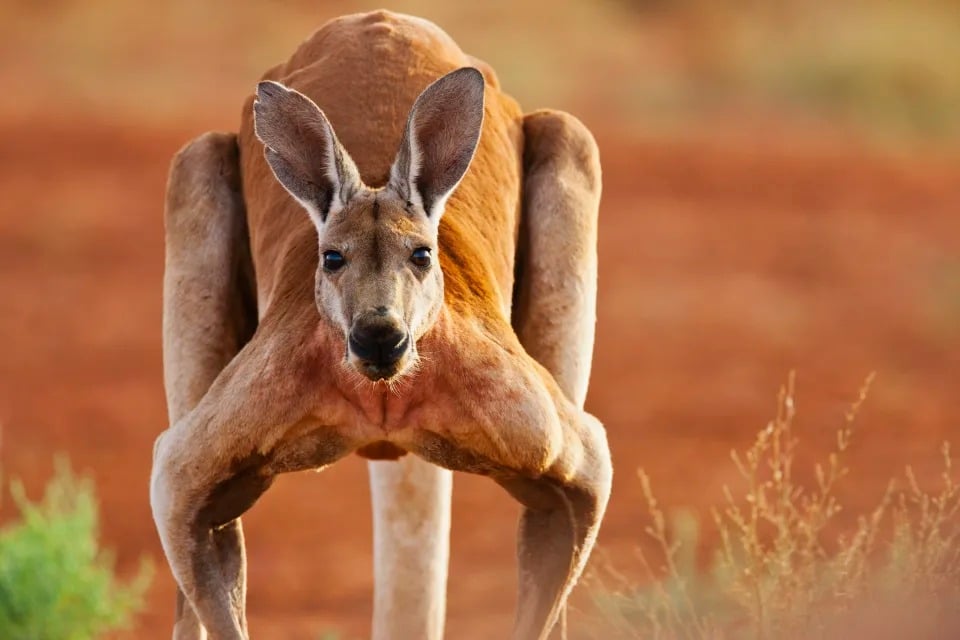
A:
[304,153]
[438,144]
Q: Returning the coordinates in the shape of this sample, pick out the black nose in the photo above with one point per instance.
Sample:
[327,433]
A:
[379,343]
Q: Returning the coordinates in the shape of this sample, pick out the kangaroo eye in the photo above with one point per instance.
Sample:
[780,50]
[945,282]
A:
[333,260]
[421,257]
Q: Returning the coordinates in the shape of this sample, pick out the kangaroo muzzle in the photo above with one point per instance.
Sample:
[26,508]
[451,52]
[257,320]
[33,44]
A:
[379,341]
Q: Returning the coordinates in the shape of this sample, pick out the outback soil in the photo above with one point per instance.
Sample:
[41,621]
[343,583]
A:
[727,260]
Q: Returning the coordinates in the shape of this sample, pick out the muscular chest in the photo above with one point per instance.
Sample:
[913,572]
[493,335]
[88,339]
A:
[374,411]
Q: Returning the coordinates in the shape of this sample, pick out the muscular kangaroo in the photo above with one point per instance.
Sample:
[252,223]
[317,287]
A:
[390,258]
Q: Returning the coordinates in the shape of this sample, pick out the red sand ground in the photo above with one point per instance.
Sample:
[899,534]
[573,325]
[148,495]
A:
[725,263]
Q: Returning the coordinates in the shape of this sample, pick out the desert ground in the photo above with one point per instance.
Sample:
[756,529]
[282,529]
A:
[733,250]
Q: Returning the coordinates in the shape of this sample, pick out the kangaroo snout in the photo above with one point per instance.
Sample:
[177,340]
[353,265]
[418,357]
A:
[379,341]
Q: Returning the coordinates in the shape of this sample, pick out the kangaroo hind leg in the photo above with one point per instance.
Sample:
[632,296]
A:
[208,307]
[554,312]
[555,296]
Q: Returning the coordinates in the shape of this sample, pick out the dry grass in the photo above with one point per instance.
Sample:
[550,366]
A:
[883,67]
[781,570]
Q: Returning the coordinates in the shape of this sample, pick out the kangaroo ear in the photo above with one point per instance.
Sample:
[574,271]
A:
[438,144]
[303,151]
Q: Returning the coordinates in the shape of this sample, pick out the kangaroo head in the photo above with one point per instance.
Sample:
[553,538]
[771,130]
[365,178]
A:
[379,279]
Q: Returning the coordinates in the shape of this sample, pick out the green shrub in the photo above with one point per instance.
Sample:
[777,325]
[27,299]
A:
[55,582]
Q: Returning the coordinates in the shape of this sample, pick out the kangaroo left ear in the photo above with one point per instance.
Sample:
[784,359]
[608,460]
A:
[440,139]
[303,151]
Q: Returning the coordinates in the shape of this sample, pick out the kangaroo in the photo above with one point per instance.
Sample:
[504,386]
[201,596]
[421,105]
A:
[390,259]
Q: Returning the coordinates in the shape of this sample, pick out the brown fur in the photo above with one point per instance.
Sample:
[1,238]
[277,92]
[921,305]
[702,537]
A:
[479,401]
[400,57]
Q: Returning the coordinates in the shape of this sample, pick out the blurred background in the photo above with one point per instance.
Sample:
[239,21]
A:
[782,191]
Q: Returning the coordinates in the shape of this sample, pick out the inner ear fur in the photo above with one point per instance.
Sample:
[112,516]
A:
[303,151]
[439,141]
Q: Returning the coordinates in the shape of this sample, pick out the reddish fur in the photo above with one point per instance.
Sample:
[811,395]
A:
[481,220]
[479,228]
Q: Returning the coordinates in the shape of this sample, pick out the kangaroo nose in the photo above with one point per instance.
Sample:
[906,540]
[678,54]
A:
[378,342]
